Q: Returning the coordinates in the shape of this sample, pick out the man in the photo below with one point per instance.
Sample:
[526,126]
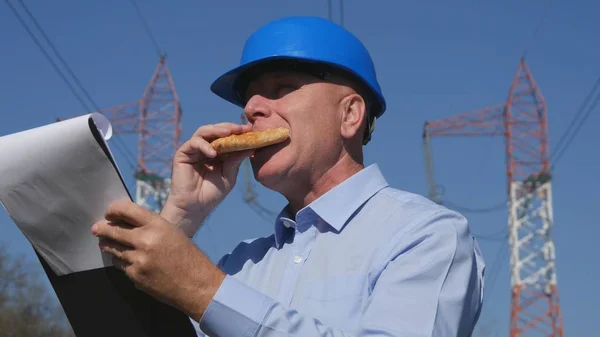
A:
[349,256]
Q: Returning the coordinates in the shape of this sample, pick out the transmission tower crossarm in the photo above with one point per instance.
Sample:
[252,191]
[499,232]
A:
[123,117]
[477,123]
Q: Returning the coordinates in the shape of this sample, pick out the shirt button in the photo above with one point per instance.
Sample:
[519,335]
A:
[297,259]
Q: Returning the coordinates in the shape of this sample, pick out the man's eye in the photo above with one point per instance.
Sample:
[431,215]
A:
[284,89]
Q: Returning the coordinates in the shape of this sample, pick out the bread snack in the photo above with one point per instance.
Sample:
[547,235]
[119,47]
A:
[250,140]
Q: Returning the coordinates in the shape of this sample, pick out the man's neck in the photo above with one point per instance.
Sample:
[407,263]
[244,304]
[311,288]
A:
[335,175]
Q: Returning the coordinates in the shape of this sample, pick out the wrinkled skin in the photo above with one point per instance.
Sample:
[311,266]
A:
[200,179]
[158,257]
[325,122]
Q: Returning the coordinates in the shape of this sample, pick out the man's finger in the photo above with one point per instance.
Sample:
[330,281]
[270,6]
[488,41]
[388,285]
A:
[116,249]
[129,212]
[218,130]
[194,150]
[120,264]
[198,148]
[247,127]
[198,144]
[114,231]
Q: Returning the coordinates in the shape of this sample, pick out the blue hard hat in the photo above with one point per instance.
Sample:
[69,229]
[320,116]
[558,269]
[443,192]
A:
[307,40]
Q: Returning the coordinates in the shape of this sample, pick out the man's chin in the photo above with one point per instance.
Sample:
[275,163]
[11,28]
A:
[262,168]
[266,172]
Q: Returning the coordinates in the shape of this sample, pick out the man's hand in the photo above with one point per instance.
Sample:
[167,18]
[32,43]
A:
[200,178]
[158,258]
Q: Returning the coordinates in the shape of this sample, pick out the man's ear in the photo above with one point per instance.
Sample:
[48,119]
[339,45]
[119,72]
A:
[353,114]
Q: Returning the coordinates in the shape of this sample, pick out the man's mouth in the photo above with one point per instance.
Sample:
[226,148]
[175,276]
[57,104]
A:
[269,149]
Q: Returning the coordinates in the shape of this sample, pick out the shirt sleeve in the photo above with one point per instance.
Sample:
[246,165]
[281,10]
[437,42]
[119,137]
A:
[430,285]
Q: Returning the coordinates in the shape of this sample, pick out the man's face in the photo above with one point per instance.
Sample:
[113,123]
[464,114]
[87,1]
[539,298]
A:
[310,109]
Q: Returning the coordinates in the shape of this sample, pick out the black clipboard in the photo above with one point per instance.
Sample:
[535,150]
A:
[104,302]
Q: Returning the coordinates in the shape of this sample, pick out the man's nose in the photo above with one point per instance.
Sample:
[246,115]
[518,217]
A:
[257,106]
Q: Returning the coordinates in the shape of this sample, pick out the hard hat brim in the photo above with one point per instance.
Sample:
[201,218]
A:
[226,85]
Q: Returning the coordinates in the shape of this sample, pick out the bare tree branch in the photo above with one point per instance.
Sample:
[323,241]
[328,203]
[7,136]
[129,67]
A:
[27,309]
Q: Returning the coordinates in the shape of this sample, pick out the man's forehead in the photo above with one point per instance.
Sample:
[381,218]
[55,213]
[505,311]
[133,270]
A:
[273,76]
[297,73]
[276,74]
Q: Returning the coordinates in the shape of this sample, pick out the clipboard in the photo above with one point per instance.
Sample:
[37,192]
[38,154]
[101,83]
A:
[104,302]
[56,216]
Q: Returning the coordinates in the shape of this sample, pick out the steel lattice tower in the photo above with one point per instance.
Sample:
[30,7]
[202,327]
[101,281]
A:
[156,119]
[522,121]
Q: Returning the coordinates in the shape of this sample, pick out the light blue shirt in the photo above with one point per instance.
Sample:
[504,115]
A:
[364,259]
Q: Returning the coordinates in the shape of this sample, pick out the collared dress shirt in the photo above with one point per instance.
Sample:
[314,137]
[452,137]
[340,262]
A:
[364,259]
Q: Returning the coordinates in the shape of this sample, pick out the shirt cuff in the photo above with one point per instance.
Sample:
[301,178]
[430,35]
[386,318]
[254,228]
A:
[235,310]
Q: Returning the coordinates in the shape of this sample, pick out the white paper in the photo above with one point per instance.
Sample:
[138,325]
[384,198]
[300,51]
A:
[55,183]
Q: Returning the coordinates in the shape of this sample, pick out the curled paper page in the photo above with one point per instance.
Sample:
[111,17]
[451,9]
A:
[56,181]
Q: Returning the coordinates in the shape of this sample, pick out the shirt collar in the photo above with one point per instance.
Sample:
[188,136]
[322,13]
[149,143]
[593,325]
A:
[338,205]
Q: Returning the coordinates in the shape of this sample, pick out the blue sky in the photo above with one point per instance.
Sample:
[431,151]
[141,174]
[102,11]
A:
[434,59]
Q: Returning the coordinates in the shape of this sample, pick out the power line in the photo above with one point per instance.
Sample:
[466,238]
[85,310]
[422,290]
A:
[146,27]
[560,151]
[37,42]
[64,63]
[496,236]
[128,155]
[536,31]
[562,146]
[489,209]
[565,141]
[538,27]
[330,11]
[495,268]
[37,25]
[492,208]
[342,13]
